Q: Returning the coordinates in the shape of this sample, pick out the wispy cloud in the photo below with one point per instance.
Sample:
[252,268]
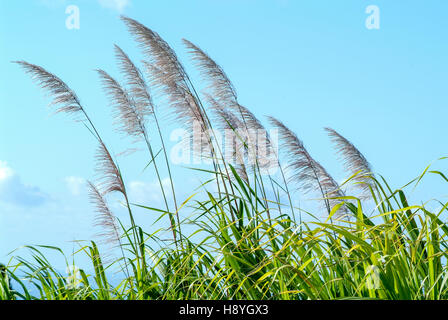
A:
[14,191]
[144,193]
[117,5]
[76,185]
[5,171]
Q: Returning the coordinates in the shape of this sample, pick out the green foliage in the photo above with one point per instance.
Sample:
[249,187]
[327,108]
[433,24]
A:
[398,253]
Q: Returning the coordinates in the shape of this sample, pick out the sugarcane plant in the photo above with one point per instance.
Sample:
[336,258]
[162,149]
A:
[242,234]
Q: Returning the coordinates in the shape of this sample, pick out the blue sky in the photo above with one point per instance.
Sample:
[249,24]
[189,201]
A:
[311,64]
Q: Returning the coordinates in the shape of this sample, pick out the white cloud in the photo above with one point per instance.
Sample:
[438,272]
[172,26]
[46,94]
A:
[75,185]
[147,193]
[14,191]
[117,5]
[5,171]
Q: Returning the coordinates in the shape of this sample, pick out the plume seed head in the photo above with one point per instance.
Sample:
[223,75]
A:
[220,85]
[135,82]
[110,179]
[353,160]
[62,96]
[127,116]
[104,218]
[308,173]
